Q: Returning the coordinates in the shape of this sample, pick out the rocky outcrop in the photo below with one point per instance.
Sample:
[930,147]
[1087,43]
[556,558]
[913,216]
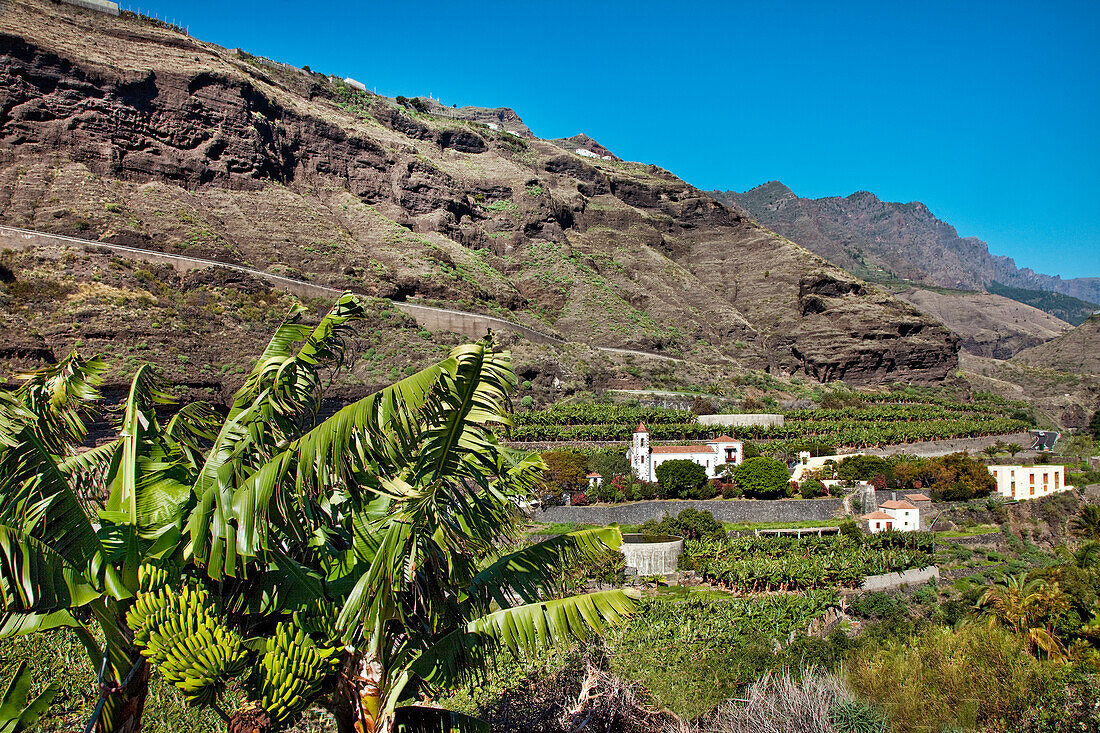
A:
[152,138]
[1076,351]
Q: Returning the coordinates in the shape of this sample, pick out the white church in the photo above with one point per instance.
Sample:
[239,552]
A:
[712,455]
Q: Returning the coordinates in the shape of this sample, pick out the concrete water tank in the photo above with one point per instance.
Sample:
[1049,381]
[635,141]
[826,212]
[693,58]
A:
[652,555]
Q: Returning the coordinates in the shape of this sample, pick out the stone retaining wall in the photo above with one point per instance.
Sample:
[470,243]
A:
[889,581]
[732,510]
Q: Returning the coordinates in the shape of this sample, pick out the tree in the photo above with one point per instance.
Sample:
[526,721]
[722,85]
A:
[610,465]
[862,468]
[1013,448]
[682,478]
[991,451]
[1030,608]
[1094,424]
[763,478]
[566,470]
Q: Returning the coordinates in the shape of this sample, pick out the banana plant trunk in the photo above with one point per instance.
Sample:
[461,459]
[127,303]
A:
[358,703]
[123,710]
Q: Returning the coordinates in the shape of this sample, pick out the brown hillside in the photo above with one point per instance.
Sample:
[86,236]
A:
[117,129]
[987,324]
[1076,351]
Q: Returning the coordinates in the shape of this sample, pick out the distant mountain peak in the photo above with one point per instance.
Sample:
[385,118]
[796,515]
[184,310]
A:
[893,241]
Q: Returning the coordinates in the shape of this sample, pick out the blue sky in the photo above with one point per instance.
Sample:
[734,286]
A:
[988,112]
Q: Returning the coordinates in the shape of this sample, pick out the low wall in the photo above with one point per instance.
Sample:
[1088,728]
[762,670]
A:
[740,420]
[731,510]
[889,581]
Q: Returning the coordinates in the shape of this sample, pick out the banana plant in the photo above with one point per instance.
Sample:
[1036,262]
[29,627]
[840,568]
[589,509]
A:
[65,561]
[368,543]
[391,514]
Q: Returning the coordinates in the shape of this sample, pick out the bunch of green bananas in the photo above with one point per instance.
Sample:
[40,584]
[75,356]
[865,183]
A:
[291,671]
[154,577]
[318,619]
[182,635]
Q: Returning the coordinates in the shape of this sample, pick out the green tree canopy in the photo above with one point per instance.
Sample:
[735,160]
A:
[763,478]
[681,478]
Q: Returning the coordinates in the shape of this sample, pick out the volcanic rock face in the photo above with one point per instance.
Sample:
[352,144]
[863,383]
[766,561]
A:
[864,234]
[123,131]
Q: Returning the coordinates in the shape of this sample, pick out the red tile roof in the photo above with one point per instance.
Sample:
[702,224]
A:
[897,505]
[640,428]
[724,439]
[877,515]
[917,497]
[593,474]
[682,449]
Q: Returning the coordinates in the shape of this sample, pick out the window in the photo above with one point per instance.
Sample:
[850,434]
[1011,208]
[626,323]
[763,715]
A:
[729,455]
[1033,487]
[1057,479]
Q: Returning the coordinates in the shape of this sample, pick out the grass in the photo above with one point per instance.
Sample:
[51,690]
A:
[970,531]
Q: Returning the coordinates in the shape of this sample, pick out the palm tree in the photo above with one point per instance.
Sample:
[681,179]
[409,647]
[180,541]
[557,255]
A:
[1027,607]
[1013,448]
[1087,522]
[991,451]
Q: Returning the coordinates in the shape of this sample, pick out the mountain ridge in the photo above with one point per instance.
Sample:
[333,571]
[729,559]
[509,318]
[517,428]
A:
[861,232]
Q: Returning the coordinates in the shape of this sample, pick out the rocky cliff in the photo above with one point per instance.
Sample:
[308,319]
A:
[868,236]
[125,131]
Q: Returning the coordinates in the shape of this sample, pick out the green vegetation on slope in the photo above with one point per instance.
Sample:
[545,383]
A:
[1069,309]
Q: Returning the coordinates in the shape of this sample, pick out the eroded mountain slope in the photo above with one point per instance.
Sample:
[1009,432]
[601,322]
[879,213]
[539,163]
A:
[116,129]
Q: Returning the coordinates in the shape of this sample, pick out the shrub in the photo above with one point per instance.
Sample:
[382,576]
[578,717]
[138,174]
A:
[850,529]
[681,478]
[527,401]
[580,499]
[763,478]
[691,524]
[812,488]
[879,606]
[938,677]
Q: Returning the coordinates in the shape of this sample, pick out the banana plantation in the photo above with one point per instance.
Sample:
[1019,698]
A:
[754,564]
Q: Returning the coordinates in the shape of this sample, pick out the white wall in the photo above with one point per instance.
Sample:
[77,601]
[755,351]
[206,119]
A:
[1029,482]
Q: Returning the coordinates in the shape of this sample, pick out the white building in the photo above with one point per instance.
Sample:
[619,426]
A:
[1029,482]
[900,516]
[906,516]
[713,455]
[878,522]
